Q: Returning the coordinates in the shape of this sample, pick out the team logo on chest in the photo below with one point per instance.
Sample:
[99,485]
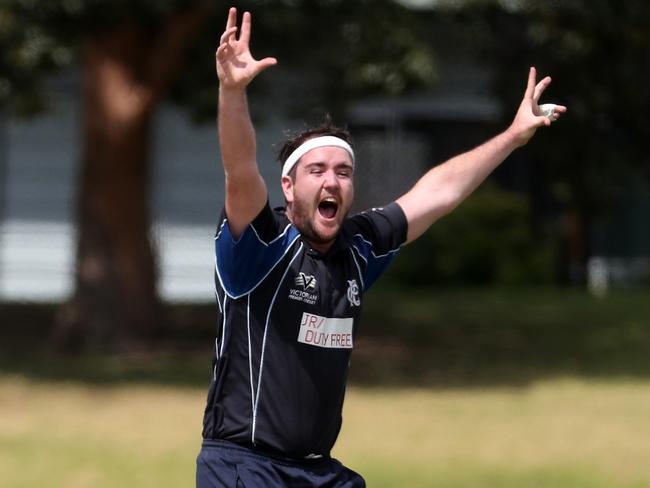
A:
[305,290]
[305,281]
[353,293]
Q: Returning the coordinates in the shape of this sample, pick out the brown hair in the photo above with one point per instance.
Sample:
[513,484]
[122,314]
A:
[327,128]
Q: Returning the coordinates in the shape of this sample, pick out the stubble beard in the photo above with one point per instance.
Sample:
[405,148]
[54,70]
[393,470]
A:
[304,221]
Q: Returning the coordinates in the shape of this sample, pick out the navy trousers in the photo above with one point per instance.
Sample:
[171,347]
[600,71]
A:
[224,464]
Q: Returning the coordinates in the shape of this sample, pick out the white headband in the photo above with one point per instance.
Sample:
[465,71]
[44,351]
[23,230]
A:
[310,144]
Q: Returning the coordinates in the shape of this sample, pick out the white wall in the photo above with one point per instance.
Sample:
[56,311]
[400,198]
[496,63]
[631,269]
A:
[37,233]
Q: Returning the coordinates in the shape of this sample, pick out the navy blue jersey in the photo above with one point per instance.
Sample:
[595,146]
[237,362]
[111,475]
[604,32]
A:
[288,322]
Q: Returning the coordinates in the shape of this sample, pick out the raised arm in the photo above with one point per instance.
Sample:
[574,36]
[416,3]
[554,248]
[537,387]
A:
[246,192]
[442,188]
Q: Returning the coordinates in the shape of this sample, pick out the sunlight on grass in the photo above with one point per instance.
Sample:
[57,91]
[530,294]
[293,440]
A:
[79,436]
[555,433]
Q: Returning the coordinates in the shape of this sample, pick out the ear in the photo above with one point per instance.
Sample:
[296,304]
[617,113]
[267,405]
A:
[287,188]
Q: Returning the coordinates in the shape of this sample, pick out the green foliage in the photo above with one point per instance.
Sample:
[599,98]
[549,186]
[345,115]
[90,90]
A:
[40,37]
[344,48]
[487,240]
[597,53]
[329,52]
[27,53]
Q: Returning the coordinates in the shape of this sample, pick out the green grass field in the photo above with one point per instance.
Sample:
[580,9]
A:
[466,388]
[555,433]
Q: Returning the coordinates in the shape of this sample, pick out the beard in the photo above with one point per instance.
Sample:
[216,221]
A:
[303,219]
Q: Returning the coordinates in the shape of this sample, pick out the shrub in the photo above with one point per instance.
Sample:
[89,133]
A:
[487,240]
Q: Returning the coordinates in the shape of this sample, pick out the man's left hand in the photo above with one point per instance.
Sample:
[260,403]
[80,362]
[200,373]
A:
[529,116]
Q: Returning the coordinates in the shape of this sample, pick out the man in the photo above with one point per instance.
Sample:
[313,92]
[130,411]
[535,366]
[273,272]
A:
[290,282]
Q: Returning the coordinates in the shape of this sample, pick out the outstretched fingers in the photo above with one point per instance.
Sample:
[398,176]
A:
[540,87]
[245,33]
[531,116]
[530,88]
[236,66]
[232,18]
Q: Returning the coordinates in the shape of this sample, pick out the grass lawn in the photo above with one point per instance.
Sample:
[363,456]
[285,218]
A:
[465,388]
[555,433]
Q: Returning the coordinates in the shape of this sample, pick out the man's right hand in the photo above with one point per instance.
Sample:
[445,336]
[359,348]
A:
[236,67]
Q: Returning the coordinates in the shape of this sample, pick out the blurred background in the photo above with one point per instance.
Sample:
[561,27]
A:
[506,347]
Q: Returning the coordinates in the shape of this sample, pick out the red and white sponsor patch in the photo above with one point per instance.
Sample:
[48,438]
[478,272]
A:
[326,332]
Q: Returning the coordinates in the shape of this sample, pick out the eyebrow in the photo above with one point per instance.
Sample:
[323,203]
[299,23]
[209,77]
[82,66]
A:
[315,163]
[320,164]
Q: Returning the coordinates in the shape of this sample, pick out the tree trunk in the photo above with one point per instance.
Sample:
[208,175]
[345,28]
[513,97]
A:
[115,280]
[125,73]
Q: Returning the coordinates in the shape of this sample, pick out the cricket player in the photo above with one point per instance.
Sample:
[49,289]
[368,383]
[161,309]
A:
[290,281]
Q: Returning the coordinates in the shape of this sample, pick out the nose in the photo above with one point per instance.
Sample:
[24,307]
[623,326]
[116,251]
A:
[331,181]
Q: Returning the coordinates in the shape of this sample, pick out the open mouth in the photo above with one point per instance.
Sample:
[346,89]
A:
[328,208]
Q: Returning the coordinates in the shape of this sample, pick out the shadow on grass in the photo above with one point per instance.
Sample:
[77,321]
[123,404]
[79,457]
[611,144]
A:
[510,337]
[427,338]
[181,356]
